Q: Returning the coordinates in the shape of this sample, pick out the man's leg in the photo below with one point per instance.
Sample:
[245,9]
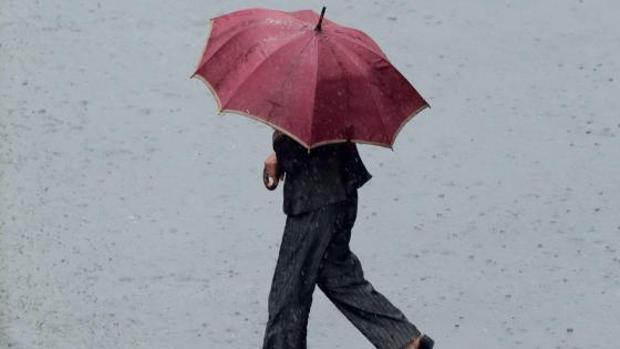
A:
[342,280]
[303,245]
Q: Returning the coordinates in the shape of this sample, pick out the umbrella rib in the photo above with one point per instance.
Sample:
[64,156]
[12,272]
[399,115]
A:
[245,79]
[414,112]
[343,70]
[374,101]
[232,37]
[360,44]
[372,94]
[296,63]
[316,84]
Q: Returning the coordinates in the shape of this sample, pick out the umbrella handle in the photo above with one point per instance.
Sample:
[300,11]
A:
[267,180]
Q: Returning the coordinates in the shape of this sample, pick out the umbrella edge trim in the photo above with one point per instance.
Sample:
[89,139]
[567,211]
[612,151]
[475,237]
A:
[404,122]
[306,145]
[204,50]
[242,113]
[213,92]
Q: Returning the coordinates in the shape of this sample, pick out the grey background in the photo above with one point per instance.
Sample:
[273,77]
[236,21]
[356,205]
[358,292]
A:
[132,216]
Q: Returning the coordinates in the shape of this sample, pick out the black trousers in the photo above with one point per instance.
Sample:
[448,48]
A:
[315,251]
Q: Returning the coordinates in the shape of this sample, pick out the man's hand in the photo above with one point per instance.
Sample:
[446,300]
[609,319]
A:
[271,172]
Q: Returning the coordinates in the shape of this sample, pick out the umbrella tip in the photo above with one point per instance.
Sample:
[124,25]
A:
[318,26]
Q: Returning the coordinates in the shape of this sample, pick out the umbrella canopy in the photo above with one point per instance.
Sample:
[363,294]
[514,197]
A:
[311,78]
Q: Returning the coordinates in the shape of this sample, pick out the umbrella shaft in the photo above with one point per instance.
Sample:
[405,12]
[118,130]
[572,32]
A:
[318,26]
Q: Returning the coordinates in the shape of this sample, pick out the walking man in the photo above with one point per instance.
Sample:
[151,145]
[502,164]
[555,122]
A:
[320,201]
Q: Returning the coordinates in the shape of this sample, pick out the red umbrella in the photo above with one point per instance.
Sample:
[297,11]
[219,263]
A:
[309,77]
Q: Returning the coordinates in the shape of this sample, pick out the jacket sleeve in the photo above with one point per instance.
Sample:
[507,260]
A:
[290,154]
[354,172]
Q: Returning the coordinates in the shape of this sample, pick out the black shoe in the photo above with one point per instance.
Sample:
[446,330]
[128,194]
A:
[426,342]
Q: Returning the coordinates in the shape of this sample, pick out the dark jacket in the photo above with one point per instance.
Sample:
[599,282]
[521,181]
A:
[325,175]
